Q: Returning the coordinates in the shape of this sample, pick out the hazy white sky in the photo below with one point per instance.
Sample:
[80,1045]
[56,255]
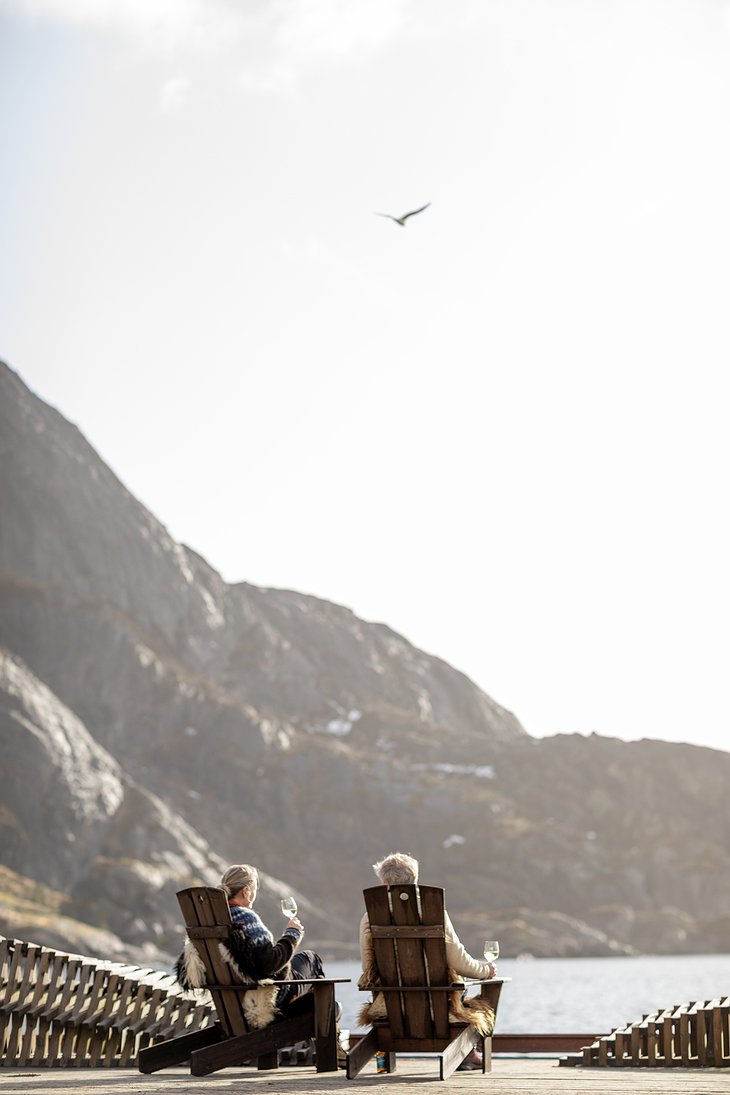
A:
[501,429]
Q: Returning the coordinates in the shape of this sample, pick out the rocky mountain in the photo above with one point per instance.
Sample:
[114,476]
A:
[157,722]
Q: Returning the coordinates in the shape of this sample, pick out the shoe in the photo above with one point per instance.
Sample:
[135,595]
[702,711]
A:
[473,1061]
[343,1046]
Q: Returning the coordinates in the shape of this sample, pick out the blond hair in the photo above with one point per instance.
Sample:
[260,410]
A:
[397,869]
[238,877]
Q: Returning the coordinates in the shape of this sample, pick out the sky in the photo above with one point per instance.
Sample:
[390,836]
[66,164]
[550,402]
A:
[500,429]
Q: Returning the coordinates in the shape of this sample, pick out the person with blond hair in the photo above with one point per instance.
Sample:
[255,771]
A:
[254,955]
[254,950]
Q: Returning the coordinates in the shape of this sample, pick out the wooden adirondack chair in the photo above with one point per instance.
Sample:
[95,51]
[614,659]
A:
[230,1041]
[407,925]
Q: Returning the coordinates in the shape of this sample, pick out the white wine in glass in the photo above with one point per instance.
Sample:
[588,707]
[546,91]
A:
[491,950]
[289,907]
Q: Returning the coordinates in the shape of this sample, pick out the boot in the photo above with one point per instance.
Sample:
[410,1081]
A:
[473,1061]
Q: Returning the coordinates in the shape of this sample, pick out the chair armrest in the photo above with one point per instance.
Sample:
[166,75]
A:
[419,988]
[486,981]
[311,981]
[266,983]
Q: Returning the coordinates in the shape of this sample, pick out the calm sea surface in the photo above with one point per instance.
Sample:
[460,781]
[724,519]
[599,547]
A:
[582,995]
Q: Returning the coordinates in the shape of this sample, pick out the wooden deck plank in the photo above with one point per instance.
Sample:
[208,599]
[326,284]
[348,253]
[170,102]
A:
[508,1077]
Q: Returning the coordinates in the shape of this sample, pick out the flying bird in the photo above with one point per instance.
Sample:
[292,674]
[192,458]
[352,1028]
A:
[402,220]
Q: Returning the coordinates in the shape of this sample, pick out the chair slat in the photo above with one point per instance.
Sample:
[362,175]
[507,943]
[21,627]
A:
[432,912]
[404,903]
[386,956]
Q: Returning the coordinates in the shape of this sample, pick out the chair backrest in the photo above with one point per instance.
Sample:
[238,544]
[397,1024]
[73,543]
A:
[407,926]
[208,923]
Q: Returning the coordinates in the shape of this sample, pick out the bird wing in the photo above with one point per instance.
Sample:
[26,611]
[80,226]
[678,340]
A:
[414,211]
[388,215]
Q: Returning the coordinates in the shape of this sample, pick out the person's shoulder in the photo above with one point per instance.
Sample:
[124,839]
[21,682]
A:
[254,928]
[243,917]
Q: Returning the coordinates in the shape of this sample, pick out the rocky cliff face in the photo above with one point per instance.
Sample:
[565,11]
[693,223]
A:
[156,721]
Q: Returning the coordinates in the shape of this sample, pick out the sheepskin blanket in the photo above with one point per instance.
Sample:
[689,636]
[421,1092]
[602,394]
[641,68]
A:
[470,1009]
[259,1002]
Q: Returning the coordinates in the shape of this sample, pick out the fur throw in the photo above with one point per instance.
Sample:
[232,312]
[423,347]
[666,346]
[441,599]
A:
[469,1009]
[189,968]
[259,1003]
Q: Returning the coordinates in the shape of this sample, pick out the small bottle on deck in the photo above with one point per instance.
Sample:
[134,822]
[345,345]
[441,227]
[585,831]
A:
[381,1063]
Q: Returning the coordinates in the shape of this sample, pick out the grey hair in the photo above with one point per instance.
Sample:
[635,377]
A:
[238,877]
[397,869]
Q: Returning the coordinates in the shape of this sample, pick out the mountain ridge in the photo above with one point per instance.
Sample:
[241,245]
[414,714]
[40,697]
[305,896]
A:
[278,728]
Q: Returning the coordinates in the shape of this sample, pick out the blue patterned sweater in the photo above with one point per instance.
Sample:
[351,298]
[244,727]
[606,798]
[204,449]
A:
[253,944]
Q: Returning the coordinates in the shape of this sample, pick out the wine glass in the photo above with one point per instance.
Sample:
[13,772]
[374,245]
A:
[491,950]
[289,907]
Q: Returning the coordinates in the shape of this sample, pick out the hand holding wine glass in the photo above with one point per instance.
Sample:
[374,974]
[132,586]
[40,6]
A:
[289,908]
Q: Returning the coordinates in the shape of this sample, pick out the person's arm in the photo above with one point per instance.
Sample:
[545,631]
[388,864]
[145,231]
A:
[367,957]
[459,960]
[268,959]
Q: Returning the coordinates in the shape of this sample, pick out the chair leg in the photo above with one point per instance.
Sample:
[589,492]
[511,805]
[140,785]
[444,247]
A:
[455,1053]
[267,1061]
[325,1027]
[177,1050]
[260,1044]
[487,1054]
[360,1054]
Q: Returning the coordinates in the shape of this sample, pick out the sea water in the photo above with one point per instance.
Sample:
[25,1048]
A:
[579,995]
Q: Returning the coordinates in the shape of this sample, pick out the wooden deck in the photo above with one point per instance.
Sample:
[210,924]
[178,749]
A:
[508,1077]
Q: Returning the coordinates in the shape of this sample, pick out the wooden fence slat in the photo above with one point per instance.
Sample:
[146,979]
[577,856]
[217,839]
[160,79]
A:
[32,1005]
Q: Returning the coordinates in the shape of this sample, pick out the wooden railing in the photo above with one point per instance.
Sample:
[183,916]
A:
[694,1035]
[508,1044]
[60,1009]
